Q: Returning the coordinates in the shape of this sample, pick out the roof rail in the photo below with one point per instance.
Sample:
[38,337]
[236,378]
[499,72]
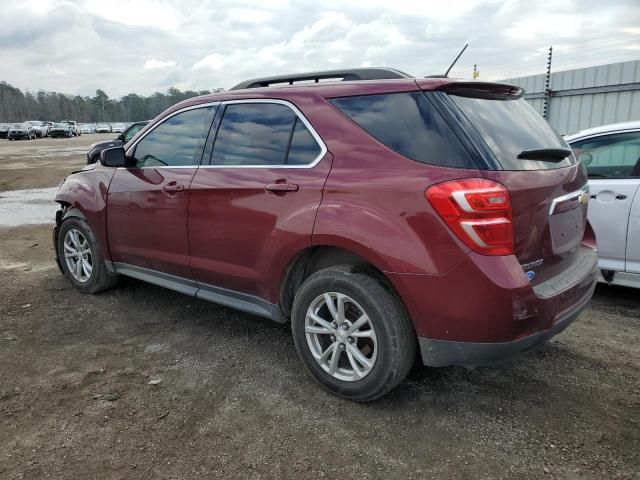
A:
[378,73]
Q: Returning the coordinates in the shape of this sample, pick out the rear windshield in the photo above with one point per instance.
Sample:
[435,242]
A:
[511,126]
[408,124]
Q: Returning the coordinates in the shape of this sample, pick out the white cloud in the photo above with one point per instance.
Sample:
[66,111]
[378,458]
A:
[120,46]
[215,61]
[153,63]
[148,13]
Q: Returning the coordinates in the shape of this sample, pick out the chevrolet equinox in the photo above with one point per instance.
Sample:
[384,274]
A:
[383,216]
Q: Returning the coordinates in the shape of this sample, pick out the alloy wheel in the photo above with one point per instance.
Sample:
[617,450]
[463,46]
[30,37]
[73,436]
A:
[77,255]
[341,336]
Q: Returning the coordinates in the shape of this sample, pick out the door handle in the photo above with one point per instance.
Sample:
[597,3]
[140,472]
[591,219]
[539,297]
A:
[281,186]
[172,187]
[621,197]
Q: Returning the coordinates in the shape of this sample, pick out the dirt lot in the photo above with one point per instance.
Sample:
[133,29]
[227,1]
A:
[233,400]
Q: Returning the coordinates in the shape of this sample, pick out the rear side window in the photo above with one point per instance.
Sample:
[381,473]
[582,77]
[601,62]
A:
[408,124]
[262,135]
[610,156]
[510,127]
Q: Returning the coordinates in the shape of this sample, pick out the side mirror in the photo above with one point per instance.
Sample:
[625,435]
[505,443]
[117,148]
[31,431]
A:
[121,137]
[113,157]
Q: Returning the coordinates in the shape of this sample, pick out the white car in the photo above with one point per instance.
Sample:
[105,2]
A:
[611,155]
[41,129]
[75,131]
[117,127]
[103,128]
[85,128]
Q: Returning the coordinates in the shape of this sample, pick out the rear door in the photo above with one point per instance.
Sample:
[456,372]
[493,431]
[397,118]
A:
[254,205]
[147,203]
[613,165]
[548,194]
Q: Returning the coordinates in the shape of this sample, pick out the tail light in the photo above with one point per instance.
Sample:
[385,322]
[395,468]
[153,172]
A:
[478,211]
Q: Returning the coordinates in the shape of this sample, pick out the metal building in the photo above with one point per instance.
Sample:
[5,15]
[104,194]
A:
[586,97]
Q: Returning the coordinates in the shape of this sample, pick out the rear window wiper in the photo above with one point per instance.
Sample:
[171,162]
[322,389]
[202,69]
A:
[545,154]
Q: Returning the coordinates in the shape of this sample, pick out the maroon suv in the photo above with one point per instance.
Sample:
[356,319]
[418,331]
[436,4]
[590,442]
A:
[380,214]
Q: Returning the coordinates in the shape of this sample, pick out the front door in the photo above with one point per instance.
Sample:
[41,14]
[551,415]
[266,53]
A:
[147,202]
[255,204]
[612,162]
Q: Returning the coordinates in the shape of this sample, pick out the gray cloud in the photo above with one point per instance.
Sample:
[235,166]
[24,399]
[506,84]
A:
[78,46]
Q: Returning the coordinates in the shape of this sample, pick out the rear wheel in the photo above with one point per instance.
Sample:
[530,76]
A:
[81,258]
[352,334]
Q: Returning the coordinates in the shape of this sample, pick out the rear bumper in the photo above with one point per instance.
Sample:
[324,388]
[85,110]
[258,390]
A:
[440,353]
[485,309]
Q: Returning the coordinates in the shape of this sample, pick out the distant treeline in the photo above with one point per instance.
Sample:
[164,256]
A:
[16,106]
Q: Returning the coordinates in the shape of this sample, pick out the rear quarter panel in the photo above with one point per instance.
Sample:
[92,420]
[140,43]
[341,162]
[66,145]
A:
[374,202]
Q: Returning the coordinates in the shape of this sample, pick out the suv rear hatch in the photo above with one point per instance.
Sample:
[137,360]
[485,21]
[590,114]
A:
[547,187]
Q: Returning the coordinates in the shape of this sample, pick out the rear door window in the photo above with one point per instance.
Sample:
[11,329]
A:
[304,149]
[262,135]
[408,124]
[510,127]
[610,156]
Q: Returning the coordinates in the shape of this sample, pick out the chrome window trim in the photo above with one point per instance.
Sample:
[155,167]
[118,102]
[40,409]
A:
[296,111]
[299,115]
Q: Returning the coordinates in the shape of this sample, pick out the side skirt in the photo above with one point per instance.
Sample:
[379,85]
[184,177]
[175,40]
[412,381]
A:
[222,296]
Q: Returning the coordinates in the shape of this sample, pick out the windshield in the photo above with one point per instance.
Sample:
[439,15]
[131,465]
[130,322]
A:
[19,125]
[510,127]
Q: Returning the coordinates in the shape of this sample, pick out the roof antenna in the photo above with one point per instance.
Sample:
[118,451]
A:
[446,74]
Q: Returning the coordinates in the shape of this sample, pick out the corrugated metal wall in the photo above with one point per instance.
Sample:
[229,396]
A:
[583,98]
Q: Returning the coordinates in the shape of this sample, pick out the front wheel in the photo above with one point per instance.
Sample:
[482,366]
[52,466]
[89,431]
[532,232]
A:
[81,258]
[352,334]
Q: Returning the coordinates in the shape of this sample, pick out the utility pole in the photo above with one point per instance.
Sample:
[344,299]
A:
[547,91]
[476,72]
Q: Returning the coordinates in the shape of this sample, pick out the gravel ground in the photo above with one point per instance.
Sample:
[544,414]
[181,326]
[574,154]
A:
[141,382]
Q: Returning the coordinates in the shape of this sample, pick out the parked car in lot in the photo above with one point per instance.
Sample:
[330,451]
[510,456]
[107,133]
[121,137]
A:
[93,155]
[21,130]
[47,124]
[117,127]
[611,155]
[60,130]
[377,217]
[75,131]
[4,130]
[103,128]
[85,128]
[39,127]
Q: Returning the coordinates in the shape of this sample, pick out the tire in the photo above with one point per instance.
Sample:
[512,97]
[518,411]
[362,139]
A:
[387,341]
[99,279]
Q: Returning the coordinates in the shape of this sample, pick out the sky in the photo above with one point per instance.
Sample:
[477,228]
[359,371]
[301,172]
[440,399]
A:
[144,46]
